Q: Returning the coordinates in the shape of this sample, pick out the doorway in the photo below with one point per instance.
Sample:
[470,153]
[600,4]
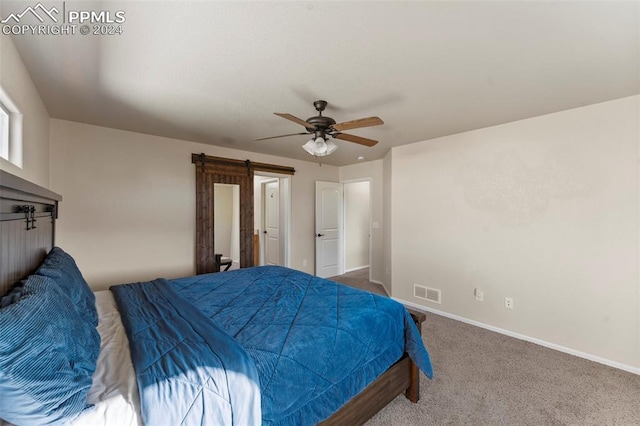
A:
[272,217]
[357,226]
[343,227]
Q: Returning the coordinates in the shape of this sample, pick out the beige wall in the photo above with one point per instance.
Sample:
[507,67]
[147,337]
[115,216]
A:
[17,84]
[371,170]
[129,202]
[544,211]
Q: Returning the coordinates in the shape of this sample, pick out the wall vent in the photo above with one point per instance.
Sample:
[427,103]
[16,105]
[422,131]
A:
[426,293]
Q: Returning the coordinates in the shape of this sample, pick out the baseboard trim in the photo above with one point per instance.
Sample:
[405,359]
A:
[580,354]
[381,284]
[356,269]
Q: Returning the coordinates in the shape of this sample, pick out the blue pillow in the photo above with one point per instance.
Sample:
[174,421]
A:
[12,297]
[60,267]
[48,354]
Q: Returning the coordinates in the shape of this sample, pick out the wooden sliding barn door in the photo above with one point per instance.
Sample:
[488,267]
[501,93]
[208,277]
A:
[209,171]
[212,170]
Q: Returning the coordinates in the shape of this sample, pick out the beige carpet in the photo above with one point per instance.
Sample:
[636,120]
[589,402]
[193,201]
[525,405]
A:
[485,378]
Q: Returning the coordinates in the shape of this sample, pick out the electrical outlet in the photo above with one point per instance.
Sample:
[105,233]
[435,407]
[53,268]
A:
[304,262]
[479,294]
[508,302]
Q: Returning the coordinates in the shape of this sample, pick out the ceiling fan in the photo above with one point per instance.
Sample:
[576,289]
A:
[324,127]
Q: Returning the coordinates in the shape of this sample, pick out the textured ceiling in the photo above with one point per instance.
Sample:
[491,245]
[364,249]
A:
[214,72]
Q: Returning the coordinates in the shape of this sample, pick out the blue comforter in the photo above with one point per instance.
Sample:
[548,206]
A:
[313,343]
[187,368]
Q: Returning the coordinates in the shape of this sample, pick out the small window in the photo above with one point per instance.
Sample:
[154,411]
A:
[4,133]
[10,130]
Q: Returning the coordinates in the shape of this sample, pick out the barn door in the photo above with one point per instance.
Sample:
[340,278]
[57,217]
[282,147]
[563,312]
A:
[209,171]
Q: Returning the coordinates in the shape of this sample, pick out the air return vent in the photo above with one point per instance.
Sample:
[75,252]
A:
[426,293]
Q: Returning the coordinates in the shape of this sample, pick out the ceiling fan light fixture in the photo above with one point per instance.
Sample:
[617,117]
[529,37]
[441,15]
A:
[309,147]
[319,147]
[331,147]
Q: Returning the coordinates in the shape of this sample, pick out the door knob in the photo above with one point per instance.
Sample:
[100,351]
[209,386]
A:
[320,235]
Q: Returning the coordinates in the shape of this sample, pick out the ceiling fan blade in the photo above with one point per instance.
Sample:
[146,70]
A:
[362,122]
[281,136]
[295,119]
[355,139]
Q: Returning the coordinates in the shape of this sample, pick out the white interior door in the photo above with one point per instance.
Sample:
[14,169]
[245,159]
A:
[329,229]
[271,217]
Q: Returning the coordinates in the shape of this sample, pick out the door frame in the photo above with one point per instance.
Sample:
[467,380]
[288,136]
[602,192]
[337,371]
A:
[344,221]
[263,224]
[285,212]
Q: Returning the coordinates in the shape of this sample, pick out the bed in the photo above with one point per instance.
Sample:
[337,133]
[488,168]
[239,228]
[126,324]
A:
[265,345]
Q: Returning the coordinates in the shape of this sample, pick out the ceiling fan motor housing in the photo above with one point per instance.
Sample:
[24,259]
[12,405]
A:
[320,123]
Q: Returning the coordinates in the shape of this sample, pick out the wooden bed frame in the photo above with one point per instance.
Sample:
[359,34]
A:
[403,376]
[27,232]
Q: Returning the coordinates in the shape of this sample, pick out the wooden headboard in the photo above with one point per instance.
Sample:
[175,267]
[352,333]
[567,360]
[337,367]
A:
[27,227]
